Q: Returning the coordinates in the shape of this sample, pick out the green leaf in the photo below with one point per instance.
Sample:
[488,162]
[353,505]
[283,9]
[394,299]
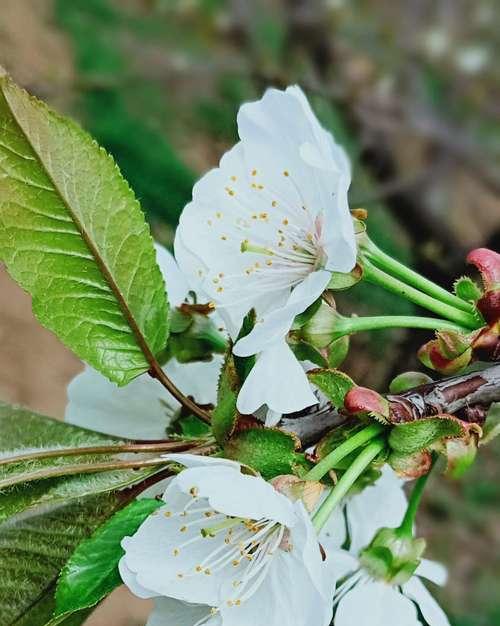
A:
[34,549]
[225,414]
[92,570]
[412,437]
[244,364]
[306,352]
[408,380]
[491,427]
[333,383]
[467,289]
[268,451]
[22,431]
[73,236]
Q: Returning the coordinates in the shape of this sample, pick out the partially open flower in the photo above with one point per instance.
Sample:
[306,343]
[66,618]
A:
[268,226]
[231,542]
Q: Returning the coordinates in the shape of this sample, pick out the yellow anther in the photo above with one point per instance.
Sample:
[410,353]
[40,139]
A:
[220,289]
[180,575]
[207,571]
[286,173]
[183,529]
[194,491]
[168,514]
[199,568]
[285,222]
[223,237]
[274,203]
[176,552]
[254,172]
[218,215]
[209,222]
[263,216]
[269,262]
[215,280]
[233,178]
[236,563]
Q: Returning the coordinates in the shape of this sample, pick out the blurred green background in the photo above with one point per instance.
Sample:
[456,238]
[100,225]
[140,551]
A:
[410,87]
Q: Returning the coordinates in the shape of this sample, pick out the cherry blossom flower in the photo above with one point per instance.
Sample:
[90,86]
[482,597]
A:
[236,550]
[367,601]
[143,409]
[265,230]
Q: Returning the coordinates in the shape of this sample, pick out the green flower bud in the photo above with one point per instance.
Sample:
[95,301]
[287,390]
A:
[392,556]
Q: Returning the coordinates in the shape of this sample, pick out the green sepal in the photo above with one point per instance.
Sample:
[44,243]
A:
[306,352]
[91,572]
[333,383]
[244,364]
[179,321]
[338,351]
[302,318]
[189,427]
[410,465]
[412,437]
[408,380]
[392,556]
[465,288]
[269,451]
[225,414]
[340,280]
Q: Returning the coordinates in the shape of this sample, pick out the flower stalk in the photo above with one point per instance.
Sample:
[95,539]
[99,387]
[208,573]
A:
[347,480]
[341,451]
[406,527]
[376,276]
[398,270]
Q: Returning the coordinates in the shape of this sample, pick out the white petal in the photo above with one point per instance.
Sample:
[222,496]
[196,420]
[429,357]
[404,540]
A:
[433,571]
[294,592]
[375,604]
[276,324]
[159,561]
[278,381]
[380,505]
[176,282]
[198,379]
[430,609]
[169,612]
[233,493]
[136,411]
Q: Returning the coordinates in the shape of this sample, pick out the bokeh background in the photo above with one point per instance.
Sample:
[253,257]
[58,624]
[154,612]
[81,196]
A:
[410,87]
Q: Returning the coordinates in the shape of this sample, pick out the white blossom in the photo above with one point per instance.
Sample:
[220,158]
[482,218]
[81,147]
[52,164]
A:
[265,230]
[143,409]
[231,545]
[363,600]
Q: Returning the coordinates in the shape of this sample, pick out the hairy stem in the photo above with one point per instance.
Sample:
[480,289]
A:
[166,446]
[347,480]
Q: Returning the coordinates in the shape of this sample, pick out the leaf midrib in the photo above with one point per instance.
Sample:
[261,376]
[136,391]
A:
[106,273]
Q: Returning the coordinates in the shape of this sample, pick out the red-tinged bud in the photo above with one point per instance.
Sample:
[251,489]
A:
[363,400]
[487,344]
[449,353]
[488,263]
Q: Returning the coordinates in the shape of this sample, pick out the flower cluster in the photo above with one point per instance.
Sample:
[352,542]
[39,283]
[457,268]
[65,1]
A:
[259,532]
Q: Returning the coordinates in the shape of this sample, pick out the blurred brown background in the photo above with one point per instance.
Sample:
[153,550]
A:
[411,87]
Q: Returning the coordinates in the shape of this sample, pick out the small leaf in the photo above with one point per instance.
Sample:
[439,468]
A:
[271,452]
[91,572]
[340,280]
[225,414]
[34,549]
[73,236]
[412,437]
[333,383]
[244,364]
[338,351]
[306,352]
[491,427]
[22,431]
[408,380]
[467,289]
